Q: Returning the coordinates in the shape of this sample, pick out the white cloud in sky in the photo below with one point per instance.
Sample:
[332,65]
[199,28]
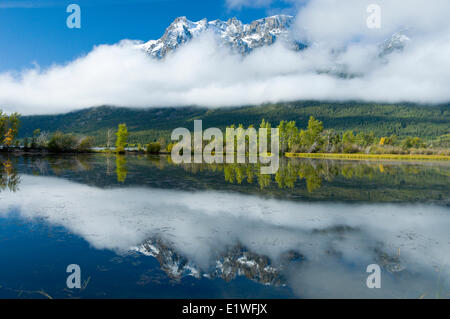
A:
[202,73]
[340,21]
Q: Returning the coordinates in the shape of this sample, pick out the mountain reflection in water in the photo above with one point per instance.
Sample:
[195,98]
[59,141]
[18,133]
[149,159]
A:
[197,225]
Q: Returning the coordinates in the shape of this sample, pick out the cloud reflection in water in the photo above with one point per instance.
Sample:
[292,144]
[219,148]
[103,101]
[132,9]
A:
[336,241]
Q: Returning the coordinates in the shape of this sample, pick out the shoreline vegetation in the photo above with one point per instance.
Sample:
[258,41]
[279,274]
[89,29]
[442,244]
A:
[311,142]
[357,156]
[337,156]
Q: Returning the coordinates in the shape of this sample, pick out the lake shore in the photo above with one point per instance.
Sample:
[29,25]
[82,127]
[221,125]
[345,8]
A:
[369,156]
[354,156]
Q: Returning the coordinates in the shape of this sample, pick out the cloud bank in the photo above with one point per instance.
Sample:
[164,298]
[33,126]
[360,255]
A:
[205,74]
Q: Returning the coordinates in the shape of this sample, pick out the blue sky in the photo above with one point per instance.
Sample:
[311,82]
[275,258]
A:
[36,32]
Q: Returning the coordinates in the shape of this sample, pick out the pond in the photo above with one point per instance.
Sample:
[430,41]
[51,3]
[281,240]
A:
[144,227]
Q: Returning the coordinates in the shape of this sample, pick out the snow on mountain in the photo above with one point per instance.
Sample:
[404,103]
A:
[396,42]
[236,261]
[242,38]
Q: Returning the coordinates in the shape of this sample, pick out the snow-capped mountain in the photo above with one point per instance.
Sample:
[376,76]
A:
[242,38]
[240,261]
[236,261]
[396,42]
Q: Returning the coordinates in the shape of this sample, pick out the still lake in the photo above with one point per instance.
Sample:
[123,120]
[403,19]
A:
[143,227]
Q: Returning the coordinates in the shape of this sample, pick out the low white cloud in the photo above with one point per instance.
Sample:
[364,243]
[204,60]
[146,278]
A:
[206,74]
[336,22]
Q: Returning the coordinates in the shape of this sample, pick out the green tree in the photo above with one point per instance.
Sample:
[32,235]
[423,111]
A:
[283,136]
[365,139]
[85,144]
[9,128]
[391,140]
[153,148]
[4,119]
[291,134]
[332,141]
[60,142]
[36,133]
[288,135]
[349,137]
[310,139]
[413,142]
[122,138]
[268,126]
[14,124]
[315,126]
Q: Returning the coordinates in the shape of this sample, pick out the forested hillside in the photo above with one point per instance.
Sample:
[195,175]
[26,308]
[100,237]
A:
[426,121]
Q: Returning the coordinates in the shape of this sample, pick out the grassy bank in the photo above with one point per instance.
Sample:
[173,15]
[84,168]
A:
[370,156]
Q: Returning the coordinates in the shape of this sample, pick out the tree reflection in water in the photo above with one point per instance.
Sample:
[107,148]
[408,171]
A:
[121,168]
[9,177]
[313,173]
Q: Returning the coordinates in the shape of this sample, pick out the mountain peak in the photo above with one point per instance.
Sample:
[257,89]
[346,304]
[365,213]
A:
[240,37]
[396,42]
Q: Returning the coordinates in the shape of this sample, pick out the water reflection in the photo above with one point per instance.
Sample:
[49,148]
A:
[337,179]
[57,165]
[215,230]
[318,250]
[321,179]
[314,172]
[9,177]
[121,168]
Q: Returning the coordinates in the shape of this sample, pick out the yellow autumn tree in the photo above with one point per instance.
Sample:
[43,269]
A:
[9,137]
